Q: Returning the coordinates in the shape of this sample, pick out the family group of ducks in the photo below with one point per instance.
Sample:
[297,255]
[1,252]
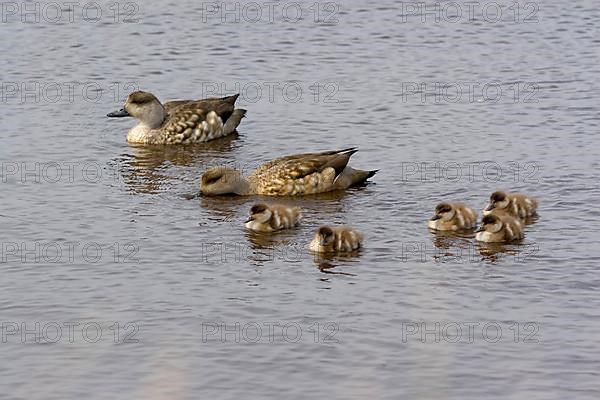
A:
[503,218]
[198,121]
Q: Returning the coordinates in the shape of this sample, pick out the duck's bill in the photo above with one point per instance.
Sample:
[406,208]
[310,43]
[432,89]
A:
[480,229]
[435,218]
[490,207]
[118,114]
[250,219]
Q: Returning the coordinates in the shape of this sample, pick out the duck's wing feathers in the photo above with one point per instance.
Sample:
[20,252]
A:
[170,106]
[186,126]
[298,165]
[301,173]
[197,120]
[223,106]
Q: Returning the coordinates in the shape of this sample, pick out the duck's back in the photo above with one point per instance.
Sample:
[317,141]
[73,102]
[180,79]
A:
[299,174]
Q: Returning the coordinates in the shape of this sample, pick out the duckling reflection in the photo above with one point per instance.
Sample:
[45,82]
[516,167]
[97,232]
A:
[259,240]
[327,262]
[327,268]
[280,248]
[448,239]
[452,245]
[492,251]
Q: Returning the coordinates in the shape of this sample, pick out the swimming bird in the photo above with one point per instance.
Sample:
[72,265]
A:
[499,227]
[452,217]
[179,122]
[336,239]
[294,175]
[515,204]
[272,217]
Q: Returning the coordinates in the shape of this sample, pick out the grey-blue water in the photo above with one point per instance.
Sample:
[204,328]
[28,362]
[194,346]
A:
[115,285]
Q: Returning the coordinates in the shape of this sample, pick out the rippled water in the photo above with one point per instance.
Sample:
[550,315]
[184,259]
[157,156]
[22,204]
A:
[175,300]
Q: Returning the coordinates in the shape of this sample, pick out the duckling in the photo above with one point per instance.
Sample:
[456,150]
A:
[453,217]
[295,175]
[499,227]
[181,121]
[516,204]
[273,217]
[336,239]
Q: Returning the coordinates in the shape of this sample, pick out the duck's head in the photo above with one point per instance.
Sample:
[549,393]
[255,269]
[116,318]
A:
[325,236]
[498,200]
[490,223]
[143,106]
[222,180]
[443,211]
[260,213]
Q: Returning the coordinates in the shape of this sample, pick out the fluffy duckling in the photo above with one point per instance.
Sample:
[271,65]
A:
[516,204]
[336,239]
[273,217]
[453,217]
[499,227]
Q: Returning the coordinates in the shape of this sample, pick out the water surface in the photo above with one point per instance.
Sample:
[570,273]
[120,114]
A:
[103,234]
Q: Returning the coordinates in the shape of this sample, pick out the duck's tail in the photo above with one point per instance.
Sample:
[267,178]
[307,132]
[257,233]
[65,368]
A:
[360,176]
[234,120]
[353,177]
[230,99]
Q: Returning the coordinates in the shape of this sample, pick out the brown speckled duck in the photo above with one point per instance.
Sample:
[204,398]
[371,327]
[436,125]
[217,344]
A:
[179,122]
[294,175]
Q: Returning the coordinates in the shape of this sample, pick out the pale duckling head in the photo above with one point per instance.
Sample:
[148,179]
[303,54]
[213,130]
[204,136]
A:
[490,223]
[260,213]
[444,212]
[143,106]
[498,201]
[223,180]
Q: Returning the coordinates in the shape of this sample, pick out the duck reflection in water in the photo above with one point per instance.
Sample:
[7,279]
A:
[145,168]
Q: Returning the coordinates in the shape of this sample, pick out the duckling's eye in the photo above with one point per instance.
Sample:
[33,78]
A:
[497,197]
[210,181]
[487,221]
[257,209]
[326,234]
